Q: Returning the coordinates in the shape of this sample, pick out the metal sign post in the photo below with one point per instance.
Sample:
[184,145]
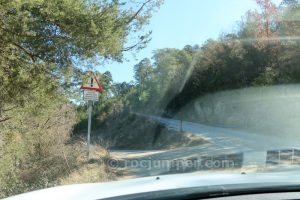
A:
[90,107]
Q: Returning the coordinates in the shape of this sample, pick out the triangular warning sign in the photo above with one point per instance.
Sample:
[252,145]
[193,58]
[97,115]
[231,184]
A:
[93,84]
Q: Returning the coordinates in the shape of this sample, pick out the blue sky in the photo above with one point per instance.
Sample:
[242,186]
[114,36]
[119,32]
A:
[181,22]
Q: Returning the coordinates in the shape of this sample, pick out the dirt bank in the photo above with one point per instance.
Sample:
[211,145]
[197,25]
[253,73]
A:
[140,133]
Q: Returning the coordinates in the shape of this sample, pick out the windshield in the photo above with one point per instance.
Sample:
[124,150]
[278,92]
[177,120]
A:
[104,90]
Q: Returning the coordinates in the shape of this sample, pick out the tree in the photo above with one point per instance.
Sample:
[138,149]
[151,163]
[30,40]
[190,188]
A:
[143,75]
[267,18]
[121,89]
[46,48]
[289,18]
[264,50]
[46,42]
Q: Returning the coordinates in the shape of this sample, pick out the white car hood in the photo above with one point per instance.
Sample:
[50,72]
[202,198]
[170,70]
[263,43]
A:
[92,191]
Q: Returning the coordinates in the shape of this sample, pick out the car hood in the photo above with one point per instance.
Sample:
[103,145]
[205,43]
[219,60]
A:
[92,191]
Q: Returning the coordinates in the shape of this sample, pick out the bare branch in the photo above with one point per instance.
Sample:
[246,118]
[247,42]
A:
[131,47]
[137,12]
[31,55]
[46,122]
[5,119]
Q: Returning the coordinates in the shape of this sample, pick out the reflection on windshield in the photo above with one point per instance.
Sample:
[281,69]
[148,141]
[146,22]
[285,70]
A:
[95,91]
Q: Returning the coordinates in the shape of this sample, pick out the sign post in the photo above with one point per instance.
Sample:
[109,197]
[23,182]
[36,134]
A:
[91,94]
[90,108]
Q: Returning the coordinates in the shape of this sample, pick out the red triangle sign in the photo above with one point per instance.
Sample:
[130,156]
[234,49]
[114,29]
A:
[93,84]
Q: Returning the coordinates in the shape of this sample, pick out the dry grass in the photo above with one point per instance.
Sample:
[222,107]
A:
[93,171]
[90,173]
[171,139]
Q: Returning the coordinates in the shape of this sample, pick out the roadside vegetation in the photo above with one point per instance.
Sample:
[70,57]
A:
[263,50]
[129,131]
[237,80]
[46,49]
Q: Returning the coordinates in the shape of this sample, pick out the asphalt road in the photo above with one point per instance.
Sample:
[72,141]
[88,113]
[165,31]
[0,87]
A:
[230,137]
[223,142]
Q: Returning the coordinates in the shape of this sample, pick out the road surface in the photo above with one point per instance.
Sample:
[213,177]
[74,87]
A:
[245,148]
[229,137]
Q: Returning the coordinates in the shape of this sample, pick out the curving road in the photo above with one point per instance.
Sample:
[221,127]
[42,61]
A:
[222,142]
[229,137]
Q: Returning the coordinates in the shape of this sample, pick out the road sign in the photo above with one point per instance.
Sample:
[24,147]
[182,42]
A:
[90,95]
[92,84]
[91,91]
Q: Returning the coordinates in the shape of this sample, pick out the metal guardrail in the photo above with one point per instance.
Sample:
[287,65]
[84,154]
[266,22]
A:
[283,157]
[235,160]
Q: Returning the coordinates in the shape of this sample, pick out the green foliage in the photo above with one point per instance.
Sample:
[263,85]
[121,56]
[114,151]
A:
[45,47]
[266,78]
[158,82]
[43,41]
[33,147]
[264,50]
